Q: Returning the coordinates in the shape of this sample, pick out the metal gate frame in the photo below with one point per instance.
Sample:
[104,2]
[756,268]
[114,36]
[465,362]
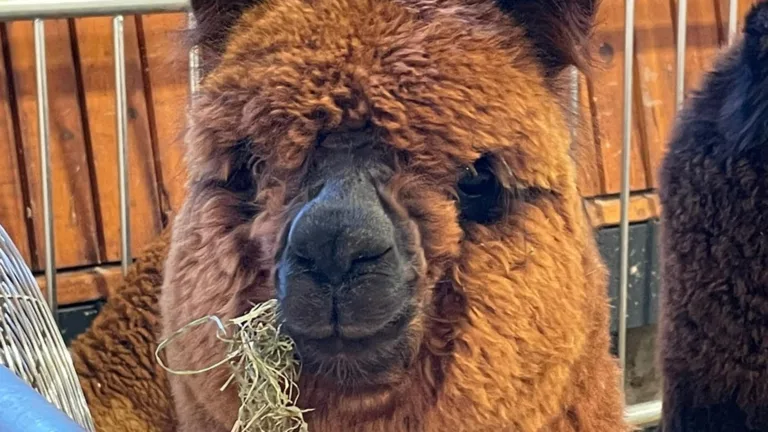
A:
[641,415]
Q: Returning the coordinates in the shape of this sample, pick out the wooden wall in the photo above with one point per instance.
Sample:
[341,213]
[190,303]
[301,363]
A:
[654,83]
[83,141]
[84,154]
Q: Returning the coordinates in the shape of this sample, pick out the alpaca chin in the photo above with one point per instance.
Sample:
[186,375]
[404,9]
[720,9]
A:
[362,364]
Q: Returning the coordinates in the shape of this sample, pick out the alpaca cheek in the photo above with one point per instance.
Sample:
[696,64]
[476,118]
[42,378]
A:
[511,288]
[206,275]
[195,350]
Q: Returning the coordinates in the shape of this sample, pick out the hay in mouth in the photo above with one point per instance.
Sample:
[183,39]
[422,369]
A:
[263,365]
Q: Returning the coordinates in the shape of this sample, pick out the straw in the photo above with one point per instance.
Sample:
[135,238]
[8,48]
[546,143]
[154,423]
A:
[263,367]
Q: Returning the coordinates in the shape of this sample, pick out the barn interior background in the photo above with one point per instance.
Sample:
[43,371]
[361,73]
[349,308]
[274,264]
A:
[81,84]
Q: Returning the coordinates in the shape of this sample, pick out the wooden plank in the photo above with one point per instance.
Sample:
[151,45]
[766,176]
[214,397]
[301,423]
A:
[722,16]
[84,285]
[590,162]
[168,89]
[655,57]
[608,97]
[13,203]
[702,42]
[607,211]
[75,225]
[96,57]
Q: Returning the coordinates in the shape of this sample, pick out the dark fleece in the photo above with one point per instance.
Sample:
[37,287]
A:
[714,196]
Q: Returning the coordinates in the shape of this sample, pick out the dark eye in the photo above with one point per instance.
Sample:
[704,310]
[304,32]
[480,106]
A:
[477,183]
[480,193]
[240,178]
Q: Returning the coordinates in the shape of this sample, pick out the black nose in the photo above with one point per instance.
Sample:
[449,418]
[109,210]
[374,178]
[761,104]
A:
[343,226]
[341,272]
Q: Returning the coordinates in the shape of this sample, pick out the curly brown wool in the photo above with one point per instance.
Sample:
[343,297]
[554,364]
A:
[125,388]
[509,316]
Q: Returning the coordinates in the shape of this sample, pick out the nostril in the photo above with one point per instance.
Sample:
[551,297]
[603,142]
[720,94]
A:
[303,261]
[371,256]
[338,264]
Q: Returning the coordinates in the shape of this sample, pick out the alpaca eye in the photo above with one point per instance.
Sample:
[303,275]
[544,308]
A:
[475,184]
[480,193]
[240,181]
[241,176]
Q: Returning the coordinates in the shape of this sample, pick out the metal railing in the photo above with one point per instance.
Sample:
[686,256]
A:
[38,10]
[11,10]
[644,414]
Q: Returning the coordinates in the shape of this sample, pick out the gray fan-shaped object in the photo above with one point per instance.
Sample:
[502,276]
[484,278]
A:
[30,342]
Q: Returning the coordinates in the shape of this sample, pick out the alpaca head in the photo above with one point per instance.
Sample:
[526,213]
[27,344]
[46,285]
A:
[379,166]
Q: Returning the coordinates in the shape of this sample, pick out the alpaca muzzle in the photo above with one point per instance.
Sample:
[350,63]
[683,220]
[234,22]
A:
[341,277]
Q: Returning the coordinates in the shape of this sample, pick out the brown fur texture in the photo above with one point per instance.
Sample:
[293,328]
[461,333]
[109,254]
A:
[512,326]
[125,388]
[713,347]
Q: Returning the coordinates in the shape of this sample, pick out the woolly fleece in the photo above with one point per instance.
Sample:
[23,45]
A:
[714,249]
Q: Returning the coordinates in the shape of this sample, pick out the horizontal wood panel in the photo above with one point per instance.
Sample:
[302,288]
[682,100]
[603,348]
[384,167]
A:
[82,286]
[607,211]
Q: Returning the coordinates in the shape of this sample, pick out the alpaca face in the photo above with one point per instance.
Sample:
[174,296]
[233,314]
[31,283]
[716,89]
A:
[353,158]
[348,266]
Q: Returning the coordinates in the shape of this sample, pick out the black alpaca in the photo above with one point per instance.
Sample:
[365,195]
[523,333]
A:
[714,244]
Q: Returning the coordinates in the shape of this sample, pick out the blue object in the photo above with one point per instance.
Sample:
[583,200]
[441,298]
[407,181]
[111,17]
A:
[23,409]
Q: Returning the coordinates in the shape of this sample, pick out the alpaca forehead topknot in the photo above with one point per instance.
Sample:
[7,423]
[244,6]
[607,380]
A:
[432,85]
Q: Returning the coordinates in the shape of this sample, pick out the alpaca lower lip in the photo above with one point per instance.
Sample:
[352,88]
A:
[338,343]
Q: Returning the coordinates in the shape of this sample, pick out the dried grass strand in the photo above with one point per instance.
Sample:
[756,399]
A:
[263,367]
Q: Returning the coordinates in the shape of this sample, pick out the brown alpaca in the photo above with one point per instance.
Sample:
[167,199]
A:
[125,388]
[397,173]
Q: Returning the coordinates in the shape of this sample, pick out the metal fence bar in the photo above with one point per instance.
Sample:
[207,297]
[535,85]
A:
[629,42]
[733,20]
[575,111]
[682,26]
[41,75]
[643,414]
[39,9]
[194,60]
[121,126]
[649,413]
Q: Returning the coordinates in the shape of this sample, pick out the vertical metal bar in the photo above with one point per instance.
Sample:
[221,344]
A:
[629,41]
[194,60]
[575,111]
[122,140]
[682,27]
[41,76]
[30,9]
[643,414]
[194,76]
[733,20]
